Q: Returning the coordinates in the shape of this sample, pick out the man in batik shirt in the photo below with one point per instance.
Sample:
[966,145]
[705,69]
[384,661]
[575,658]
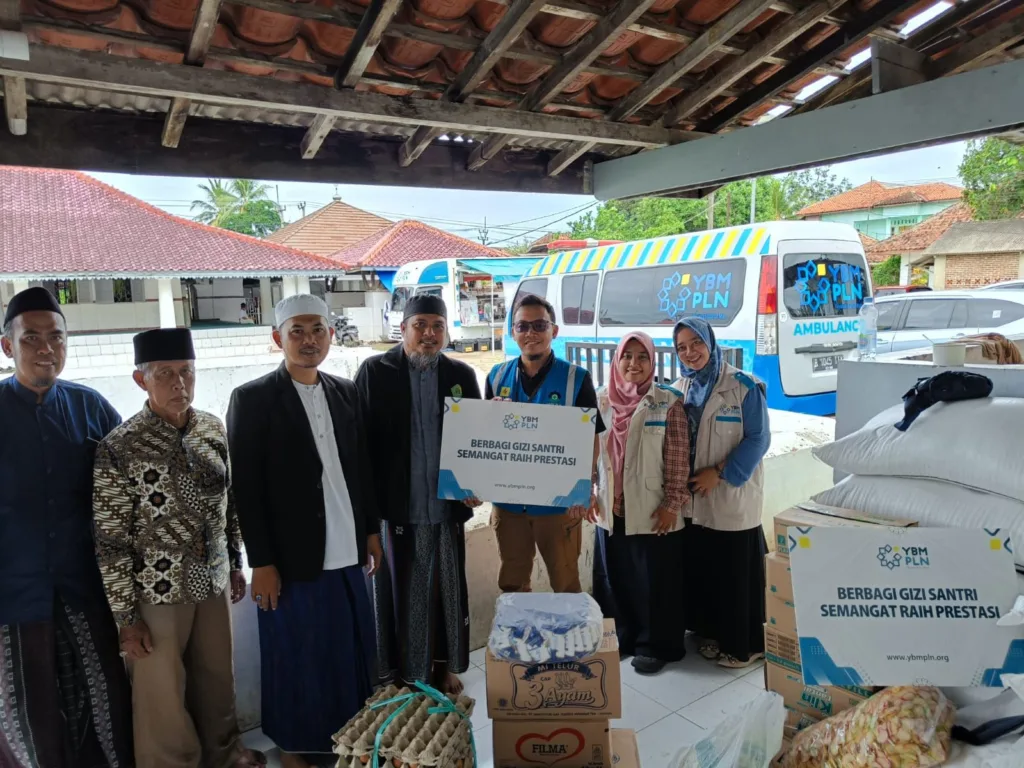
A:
[169,548]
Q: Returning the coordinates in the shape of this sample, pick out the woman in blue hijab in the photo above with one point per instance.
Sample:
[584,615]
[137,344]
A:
[729,436]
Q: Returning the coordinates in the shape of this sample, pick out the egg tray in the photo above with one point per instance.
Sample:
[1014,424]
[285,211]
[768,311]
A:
[413,739]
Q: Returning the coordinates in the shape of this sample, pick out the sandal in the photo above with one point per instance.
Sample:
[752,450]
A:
[709,650]
[731,662]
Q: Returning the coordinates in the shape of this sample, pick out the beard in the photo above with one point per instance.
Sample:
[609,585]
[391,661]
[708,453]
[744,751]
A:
[421,360]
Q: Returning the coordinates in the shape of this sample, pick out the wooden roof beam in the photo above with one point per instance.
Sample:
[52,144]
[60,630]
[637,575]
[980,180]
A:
[670,72]
[779,37]
[369,33]
[603,34]
[204,24]
[15,96]
[858,29]
[117,74]
[506,31]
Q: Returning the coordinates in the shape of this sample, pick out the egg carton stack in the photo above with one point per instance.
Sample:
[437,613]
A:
[414,738]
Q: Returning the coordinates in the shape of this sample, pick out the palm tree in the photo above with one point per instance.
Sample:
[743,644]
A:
[242,205]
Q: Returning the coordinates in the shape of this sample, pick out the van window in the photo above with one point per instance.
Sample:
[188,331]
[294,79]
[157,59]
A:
[991,313]
[579,297]
[929,314]
[537,286]
[432,291]
[824,284]
[664,295]
[399,298]
[888,311]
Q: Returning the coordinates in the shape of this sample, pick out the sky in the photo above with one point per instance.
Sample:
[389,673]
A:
[510,217]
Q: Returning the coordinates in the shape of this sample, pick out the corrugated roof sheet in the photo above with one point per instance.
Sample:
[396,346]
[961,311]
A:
[874,194]
[68,224]
[1006,236]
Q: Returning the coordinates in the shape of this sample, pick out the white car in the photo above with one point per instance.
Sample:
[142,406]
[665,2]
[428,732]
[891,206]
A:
[1006,285]
[914,320]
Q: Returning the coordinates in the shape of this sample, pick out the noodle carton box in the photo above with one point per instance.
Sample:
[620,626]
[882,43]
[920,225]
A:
[562,743]
[807,515]
[587,689]
[816,701]
[778,577]
[625,751]
[782,649]
[780,615]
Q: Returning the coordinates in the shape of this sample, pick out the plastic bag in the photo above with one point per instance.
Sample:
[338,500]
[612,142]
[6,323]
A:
[540,627]
[900,726]
[748,738]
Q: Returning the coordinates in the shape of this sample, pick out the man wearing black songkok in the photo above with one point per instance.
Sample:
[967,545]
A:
[421,602]
[64,695]
[170,553]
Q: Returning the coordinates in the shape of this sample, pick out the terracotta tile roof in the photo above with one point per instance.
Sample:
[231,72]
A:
[325,231]
[67,224]
[408,241]
[921,236]
[876,193]
[866,241]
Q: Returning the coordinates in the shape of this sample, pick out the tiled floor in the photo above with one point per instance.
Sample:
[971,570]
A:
[668,711]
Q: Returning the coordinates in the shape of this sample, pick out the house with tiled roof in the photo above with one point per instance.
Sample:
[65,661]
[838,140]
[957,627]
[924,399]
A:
[116,263]
[329,229]
[408,240]
[955,250]
[880,210]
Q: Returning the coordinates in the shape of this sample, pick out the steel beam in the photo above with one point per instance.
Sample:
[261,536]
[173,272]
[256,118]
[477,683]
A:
[971,104]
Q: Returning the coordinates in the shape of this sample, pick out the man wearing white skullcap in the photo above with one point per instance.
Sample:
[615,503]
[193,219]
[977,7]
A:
[298,446]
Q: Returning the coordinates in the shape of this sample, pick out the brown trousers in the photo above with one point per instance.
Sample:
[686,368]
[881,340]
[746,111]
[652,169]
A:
[183,693]
[558,537]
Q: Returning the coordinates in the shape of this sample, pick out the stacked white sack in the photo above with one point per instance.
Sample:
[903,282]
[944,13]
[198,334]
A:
[959,465]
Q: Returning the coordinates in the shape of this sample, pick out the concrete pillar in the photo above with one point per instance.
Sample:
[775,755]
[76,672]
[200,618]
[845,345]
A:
[165,295]
[266,302]
[302,285]
[21,285]
[904,270]
[289,286]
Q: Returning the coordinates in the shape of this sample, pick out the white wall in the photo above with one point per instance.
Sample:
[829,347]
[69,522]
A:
[220,299]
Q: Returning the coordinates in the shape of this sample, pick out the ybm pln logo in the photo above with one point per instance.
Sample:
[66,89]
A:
[903,557]
[515,421]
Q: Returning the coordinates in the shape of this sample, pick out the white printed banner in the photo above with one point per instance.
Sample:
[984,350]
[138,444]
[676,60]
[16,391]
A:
[897,606]
[516,453]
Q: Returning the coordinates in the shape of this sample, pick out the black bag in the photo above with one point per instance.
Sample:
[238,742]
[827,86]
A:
[945,387]
[988,732]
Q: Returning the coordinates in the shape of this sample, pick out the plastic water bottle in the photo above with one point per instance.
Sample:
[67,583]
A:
[867,340]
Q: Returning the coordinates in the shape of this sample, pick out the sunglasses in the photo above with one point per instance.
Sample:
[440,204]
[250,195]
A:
[537,326]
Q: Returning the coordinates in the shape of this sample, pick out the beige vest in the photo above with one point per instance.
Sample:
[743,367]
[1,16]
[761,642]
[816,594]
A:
[643,471]
[727,508]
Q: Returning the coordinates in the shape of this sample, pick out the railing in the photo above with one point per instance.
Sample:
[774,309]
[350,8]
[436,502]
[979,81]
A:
[597,357]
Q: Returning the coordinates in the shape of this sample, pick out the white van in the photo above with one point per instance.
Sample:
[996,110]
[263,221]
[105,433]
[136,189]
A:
[476,288]
[731,277]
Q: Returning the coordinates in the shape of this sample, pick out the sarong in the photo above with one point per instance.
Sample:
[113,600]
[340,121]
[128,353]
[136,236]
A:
[65,700]
[640,581]
[316,659]
[729,606]
[421,602]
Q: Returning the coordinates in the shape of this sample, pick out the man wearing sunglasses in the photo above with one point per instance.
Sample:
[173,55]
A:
[539,377]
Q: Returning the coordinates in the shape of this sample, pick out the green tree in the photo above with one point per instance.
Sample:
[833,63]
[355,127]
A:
[240,205]
[886,272]
[992,172]
[777,198]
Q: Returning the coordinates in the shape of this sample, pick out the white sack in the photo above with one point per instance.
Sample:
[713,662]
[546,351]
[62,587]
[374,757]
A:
[931,503]
[976,443]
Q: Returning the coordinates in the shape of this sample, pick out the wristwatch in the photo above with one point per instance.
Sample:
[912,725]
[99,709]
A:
[719,469]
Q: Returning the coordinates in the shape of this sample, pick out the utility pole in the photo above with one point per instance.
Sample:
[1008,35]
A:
[753,200]
[711,211]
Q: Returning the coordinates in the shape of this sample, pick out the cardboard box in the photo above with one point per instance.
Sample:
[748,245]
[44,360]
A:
[795,721]
[625,751]
[778,576]
[808,514]
[576,690]
[817,701]
[780,615]
[781,649]
[565,743]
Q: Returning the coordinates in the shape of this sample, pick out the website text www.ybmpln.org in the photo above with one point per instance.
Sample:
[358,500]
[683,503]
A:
[514,487]
[918,659]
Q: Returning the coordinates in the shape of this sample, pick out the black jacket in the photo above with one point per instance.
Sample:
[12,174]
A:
[278,476]
[383,382]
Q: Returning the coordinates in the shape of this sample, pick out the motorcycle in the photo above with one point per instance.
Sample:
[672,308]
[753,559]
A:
[344,331]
